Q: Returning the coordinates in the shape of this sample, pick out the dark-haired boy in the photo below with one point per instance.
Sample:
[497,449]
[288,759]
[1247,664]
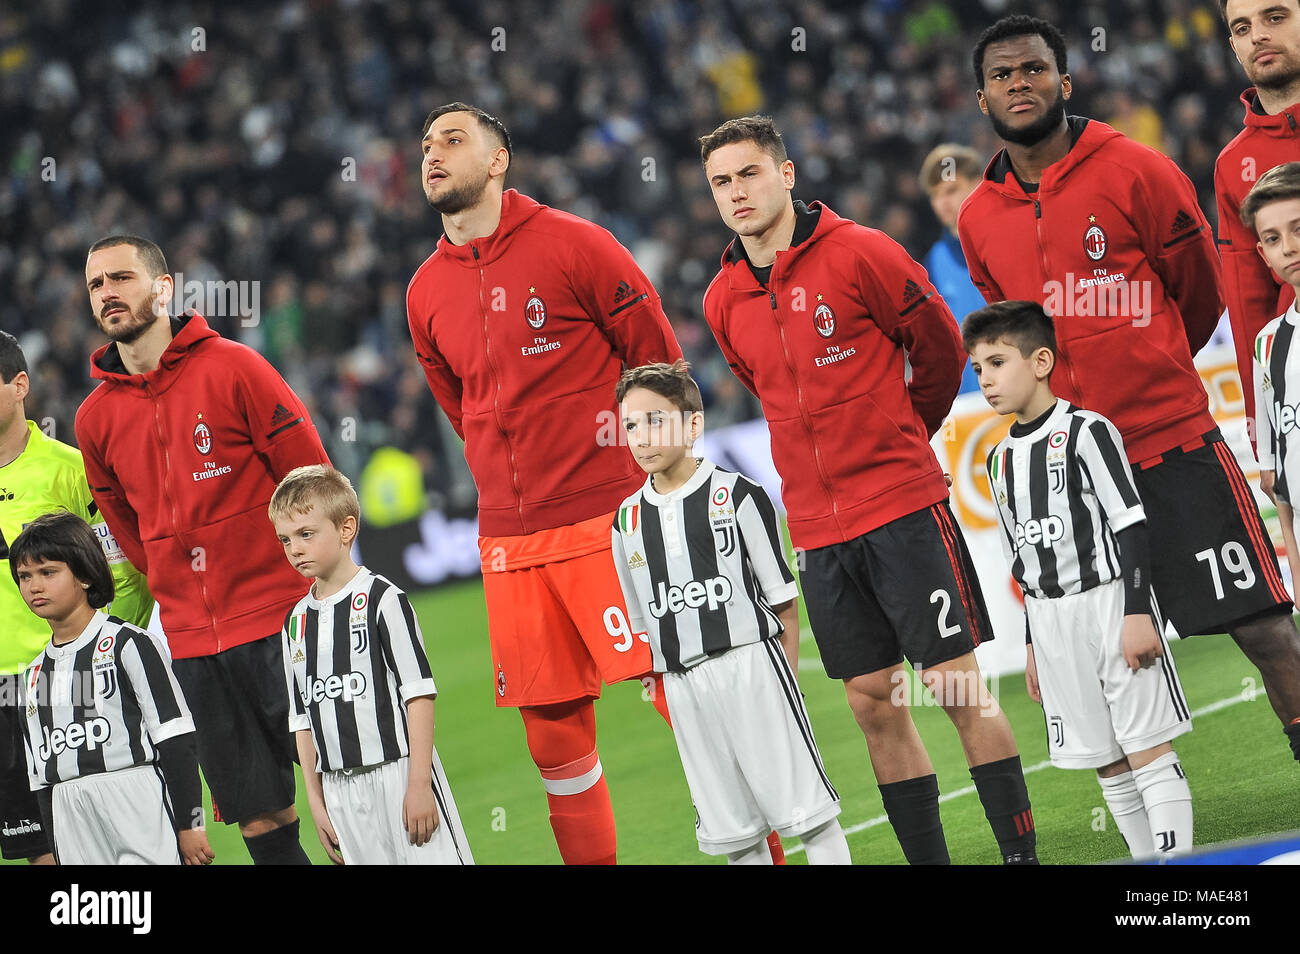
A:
[1074,532]
[38,475]
[699,559]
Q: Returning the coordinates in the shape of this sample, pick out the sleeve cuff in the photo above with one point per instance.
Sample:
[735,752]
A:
[299,723]
[170,730]
[1126,518]
[782,594]
[417,689]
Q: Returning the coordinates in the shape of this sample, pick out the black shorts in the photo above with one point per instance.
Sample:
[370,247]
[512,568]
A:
[21,833]
[241,721]
[905,589]
[1213,566]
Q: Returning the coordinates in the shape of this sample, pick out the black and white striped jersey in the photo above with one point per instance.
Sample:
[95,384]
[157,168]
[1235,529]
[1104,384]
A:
[352,662]
[100,703]
[701,567]
[1063,491]
[1277,401]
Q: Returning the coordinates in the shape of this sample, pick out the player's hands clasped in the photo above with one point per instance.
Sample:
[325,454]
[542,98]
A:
[419,813]
[194,847]
[1140,642]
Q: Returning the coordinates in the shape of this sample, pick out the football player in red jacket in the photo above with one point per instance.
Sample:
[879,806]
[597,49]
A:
[1107,235]
[815,314]
[1265,37]
[184,442]
[523,319]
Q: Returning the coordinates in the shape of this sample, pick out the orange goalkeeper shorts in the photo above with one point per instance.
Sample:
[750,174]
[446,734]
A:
[556,618]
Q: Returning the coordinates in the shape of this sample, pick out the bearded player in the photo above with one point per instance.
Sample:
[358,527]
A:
[523,319]
[1265,37]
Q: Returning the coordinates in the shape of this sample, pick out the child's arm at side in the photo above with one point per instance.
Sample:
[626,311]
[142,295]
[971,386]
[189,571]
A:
[179,762]
[788,614]
[419,807]
[316,795]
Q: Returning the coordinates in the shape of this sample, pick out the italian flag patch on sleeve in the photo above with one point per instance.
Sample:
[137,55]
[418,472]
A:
[628,518]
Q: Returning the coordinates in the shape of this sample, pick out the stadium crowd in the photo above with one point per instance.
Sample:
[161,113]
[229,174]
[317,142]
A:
[279,144]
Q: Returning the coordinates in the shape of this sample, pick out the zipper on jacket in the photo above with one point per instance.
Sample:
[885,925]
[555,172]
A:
[1047,275]
[496,400]
[171,506]
[803,407]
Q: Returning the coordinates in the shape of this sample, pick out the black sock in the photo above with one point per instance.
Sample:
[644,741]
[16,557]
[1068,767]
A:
[913,809]
[279,846]
[1293,736]
[1001,787]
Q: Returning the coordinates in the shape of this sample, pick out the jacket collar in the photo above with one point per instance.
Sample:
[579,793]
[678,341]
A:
[516,209]
[1086,136]
[824,221]
[1284,123]
[188,330]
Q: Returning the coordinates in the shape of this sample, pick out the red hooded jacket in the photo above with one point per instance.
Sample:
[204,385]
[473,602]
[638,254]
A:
[182,461]
[1254,295]
[1115,247]
[822,347]
[523,335]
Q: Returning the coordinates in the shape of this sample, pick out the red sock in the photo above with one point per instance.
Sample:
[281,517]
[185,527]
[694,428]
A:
[774,846]
[584,826]
[562,741]
[654,685]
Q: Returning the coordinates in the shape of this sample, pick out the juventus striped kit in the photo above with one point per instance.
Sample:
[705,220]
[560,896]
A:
[701,568]
[352,663]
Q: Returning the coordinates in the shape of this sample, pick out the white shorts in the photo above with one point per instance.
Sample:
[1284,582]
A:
[365,806]
[1096,708]
[747,748]
[114,818]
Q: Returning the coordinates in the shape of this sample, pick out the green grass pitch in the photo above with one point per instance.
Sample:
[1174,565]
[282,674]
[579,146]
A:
[1243,779]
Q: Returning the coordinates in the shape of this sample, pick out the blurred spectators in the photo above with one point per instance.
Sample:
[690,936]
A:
[278,143]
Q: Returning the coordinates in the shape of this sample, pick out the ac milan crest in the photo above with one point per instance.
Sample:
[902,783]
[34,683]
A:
[1094,242]
[202,438]
[824,320]
[535,311]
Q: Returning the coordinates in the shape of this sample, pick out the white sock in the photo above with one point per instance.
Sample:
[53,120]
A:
[1168,801]
[826,844]
[1129,811]
[756,854]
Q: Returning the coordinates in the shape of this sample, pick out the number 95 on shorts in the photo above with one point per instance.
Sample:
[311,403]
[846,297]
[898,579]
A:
[559,629]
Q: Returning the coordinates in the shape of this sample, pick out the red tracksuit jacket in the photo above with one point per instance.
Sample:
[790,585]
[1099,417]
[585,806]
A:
[522,336]
[183,461]
[1112,218]
[822,347]
[1254,295]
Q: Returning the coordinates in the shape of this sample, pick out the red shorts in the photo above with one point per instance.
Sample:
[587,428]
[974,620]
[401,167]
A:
[556,618]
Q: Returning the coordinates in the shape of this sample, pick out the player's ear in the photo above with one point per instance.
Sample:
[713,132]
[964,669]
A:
[22,385]
[1066,86]
[984,103]
[1044,362]
[695,426]
[348,530]
[1259,247]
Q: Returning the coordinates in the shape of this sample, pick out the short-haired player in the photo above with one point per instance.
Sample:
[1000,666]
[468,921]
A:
[1272,210]
[110,740]
[1075,534]
[699,558]
[360,690]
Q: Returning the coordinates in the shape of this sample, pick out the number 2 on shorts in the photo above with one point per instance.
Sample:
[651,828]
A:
[945,604]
